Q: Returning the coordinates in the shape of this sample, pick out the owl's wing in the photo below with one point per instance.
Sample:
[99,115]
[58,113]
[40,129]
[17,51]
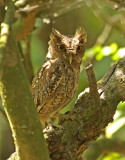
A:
[45,83]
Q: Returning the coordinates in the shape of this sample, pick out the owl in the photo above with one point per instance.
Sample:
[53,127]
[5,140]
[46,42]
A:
[56,82]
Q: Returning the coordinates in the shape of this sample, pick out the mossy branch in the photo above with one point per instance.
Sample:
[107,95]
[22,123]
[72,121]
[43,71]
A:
[17,98]
[88,119]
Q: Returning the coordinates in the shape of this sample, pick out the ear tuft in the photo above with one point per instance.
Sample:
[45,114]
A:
[81,34]
[54,31]
[55,35]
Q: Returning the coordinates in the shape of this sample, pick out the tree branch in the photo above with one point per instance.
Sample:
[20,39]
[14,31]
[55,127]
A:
[87,120]
[49,10]
[17,98]
[118,4]
[111,20]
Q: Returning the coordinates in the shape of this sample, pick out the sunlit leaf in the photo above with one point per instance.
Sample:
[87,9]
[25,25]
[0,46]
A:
[106,51]
[121,52]
[99,56]
[113,156]
[97,49]
[116,57]
[115,126]
[113,48]
[121,106]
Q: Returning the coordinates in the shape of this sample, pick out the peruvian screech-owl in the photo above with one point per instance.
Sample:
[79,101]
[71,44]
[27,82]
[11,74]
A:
[56,82]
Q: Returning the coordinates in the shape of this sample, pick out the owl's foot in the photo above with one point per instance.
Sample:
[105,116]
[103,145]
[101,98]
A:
[48,129]
[51,127]
[57,126]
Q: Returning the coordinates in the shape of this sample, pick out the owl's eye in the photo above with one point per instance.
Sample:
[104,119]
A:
[61,47]
[79,48]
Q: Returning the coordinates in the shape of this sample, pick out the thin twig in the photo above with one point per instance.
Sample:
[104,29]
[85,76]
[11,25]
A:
[110,20]
[104,35]
[93,85]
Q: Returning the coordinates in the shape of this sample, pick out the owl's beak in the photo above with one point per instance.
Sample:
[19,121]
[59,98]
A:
[70,59]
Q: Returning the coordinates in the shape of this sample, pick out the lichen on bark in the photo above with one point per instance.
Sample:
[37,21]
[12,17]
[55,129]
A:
[87,120]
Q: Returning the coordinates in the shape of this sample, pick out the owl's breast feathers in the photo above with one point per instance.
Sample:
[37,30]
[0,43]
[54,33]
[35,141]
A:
[53,87]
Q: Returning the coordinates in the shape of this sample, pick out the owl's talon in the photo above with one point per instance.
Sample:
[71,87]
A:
[52,127]
[49,128]
[58,126]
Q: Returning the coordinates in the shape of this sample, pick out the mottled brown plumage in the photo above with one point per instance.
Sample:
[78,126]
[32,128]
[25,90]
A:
[56,82]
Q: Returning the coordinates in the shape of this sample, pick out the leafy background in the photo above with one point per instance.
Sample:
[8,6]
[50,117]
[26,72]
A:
[106,39]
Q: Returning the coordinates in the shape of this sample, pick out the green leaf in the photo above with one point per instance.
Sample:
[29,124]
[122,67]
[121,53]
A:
[99,56]
[106,51]
[113,47]
[113,156]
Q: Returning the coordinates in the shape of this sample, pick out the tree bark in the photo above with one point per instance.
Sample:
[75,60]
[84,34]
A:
[87,120]
[17,98]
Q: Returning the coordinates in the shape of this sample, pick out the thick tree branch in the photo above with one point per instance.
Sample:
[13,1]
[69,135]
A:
[19,107]
[17,98]
[87,120]
[5,29]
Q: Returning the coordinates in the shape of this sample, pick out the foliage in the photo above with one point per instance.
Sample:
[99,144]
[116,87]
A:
[99,52]
[112,156]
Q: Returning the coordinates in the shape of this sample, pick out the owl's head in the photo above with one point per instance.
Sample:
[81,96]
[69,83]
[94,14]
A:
[67,48]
